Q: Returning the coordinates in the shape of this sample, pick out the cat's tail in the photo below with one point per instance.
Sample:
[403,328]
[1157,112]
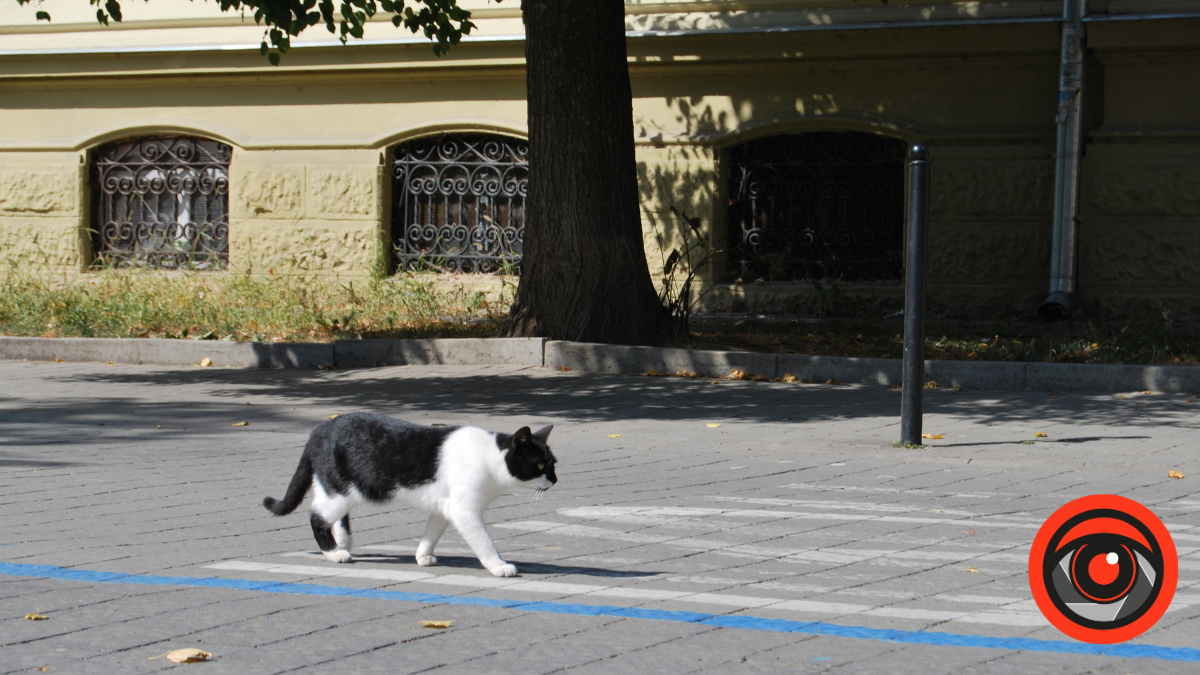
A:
[301,481]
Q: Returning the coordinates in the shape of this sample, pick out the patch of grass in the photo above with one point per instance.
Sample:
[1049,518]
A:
[199,305]
[1153,339]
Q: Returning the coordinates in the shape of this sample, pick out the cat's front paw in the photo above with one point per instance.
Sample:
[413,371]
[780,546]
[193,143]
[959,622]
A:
[338,556]
[426,560]
[505,570]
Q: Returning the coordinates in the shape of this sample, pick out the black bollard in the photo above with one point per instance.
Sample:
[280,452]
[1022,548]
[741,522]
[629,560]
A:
[914,296]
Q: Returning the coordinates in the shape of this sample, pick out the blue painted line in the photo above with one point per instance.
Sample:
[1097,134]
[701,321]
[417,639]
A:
[1123,651]
[756,623]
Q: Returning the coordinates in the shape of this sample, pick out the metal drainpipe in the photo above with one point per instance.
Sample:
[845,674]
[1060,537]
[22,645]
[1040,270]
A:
[1064,256]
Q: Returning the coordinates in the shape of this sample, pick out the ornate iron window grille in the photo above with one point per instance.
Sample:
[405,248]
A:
[817,206]
[460,203]
[162,202]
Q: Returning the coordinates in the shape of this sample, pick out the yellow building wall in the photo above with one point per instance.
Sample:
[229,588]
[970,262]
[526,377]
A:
[310,186]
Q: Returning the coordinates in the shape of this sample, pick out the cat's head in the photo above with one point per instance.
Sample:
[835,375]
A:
[529,458]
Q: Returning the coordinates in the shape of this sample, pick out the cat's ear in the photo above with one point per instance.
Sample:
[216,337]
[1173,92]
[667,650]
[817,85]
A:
[543,433]
[522,436]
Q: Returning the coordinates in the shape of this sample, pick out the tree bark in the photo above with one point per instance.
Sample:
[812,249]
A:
[583,274]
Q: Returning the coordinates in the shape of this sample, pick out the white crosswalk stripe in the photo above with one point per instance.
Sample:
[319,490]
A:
[1018,617]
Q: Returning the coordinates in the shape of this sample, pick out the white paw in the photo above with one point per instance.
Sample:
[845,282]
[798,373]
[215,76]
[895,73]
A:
[338,556]
[505,570]
[426,560]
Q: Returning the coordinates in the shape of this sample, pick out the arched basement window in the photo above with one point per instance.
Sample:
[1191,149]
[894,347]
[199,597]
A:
[817,206]
[162,202]
[460,203]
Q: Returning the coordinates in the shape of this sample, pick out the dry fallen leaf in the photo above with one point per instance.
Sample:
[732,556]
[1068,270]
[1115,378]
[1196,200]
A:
[333,417]
[60,360]
[436,624]
[158,426]
[788,377]
[206,362]
[957,389]
[933,436]
[932,384]
[652,373]
[188,655]
[566,368]
[241,424]
[36,617]
[1039,434]
[715,382]
[972,569]
[1174,474]
[737,374]
[711,425]
[1120,396]
[614,435]
[1147,392]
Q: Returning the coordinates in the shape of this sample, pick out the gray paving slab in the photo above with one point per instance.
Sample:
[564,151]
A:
[795,507]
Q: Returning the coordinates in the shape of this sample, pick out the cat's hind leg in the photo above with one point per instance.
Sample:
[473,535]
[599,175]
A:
[331,523]
[341,534]
[323,533]
[434,530]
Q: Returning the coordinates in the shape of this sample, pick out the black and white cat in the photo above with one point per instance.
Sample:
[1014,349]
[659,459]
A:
[451,473]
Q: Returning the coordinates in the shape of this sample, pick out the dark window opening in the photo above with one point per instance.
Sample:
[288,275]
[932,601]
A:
[817,206]
[161,202]
[459,203]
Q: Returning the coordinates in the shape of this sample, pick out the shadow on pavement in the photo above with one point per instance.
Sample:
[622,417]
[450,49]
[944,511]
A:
[219,398]
[466,562]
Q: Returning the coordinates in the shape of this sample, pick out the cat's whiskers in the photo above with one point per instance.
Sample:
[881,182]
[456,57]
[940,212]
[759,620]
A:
[530,495]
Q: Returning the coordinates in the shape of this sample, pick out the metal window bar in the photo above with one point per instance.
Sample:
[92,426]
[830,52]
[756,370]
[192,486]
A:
[460,203]
[162,203]
[823,206]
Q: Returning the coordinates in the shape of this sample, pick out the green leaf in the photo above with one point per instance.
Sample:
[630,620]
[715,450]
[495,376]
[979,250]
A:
[114,9]
[273,57]
[101,17]
[43,16]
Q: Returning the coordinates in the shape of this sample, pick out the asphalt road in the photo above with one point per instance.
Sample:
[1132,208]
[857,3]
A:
[790,538]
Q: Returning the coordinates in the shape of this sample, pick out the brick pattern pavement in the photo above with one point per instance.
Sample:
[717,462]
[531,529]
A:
[796,507]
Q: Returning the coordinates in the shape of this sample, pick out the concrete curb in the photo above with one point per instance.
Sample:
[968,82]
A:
[448,352]
[601,358]
[170,352]
[298,355]
[996,375]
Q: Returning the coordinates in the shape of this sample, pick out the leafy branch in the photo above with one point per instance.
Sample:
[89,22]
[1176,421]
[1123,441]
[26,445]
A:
[690,259]
[442,21]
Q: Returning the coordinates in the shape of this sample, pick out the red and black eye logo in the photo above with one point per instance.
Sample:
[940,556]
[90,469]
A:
[1103,569]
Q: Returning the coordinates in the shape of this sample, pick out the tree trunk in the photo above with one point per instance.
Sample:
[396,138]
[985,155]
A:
[583,274]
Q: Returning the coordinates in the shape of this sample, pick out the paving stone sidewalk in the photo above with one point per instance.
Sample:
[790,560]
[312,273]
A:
[795,508]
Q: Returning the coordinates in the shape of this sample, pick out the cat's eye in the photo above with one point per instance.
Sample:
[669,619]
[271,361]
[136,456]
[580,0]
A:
[541,466]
